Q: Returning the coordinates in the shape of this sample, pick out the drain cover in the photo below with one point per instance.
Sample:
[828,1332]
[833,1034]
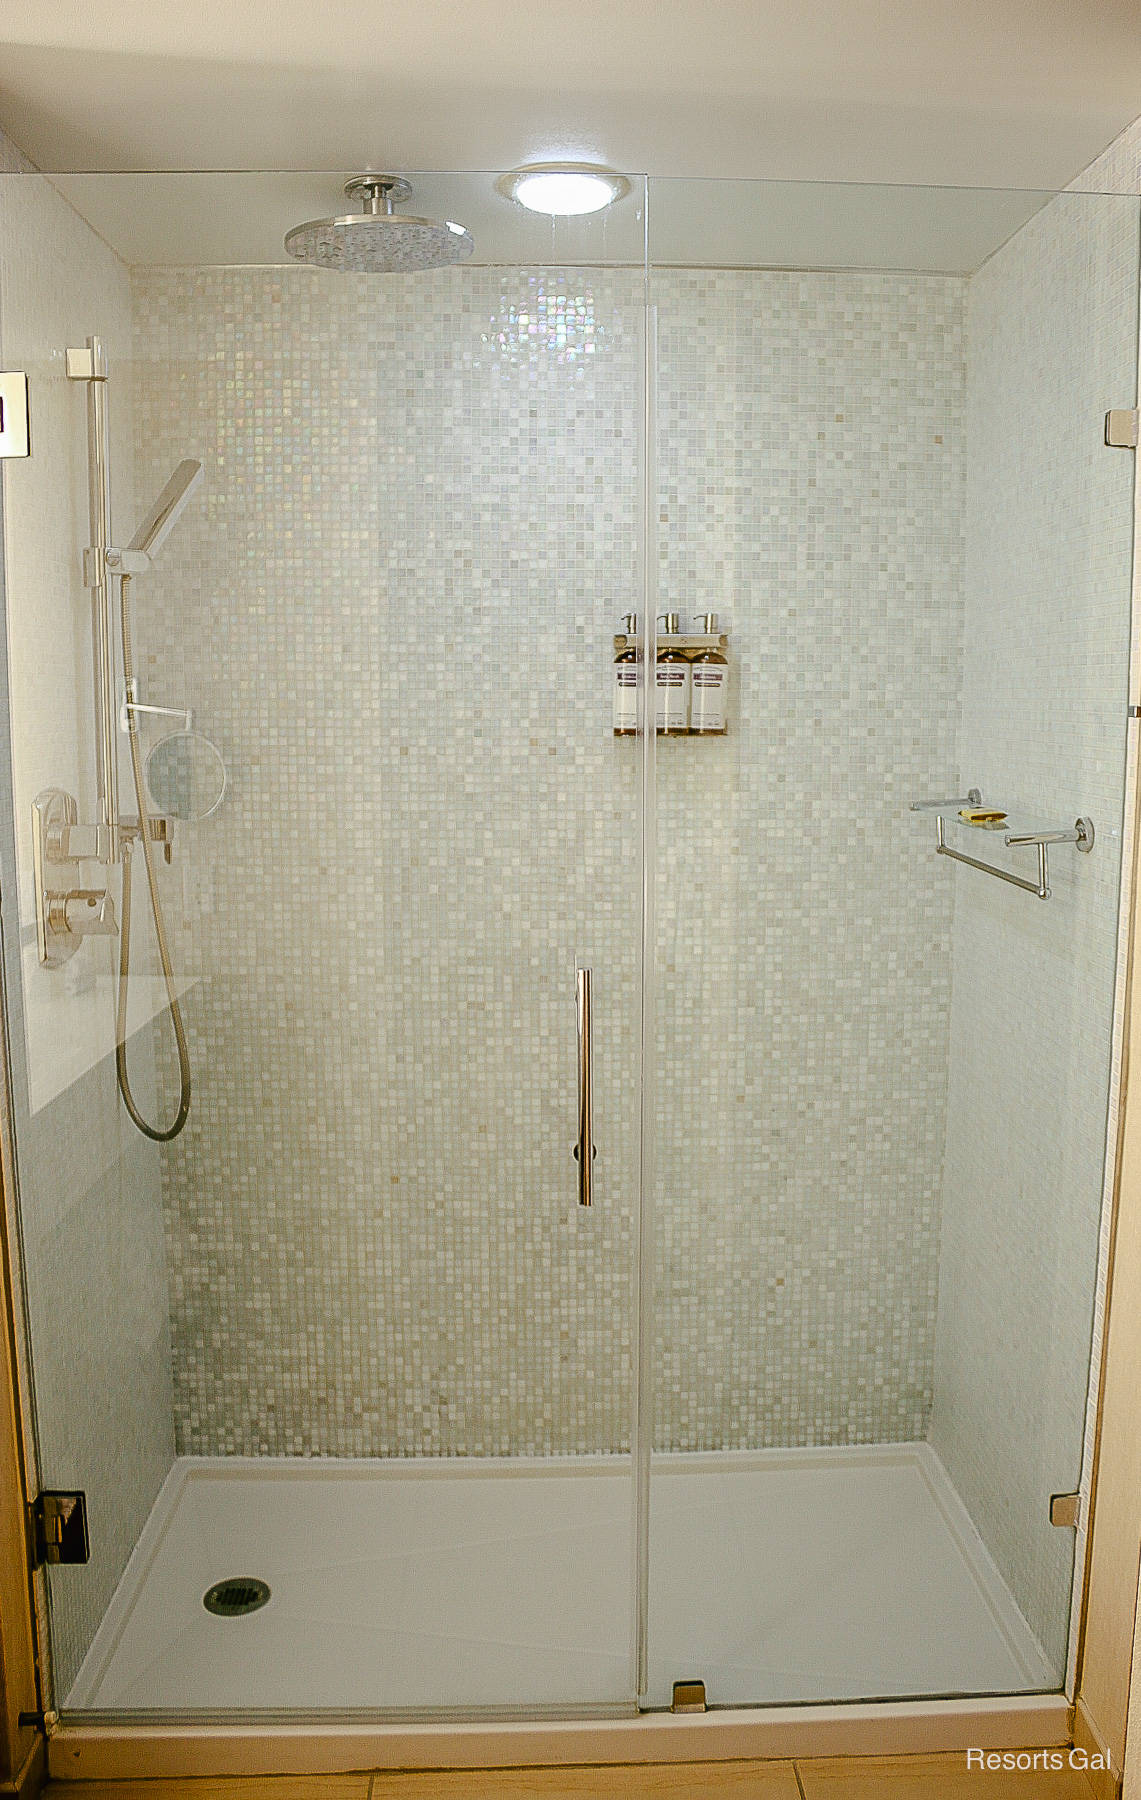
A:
[236,1595]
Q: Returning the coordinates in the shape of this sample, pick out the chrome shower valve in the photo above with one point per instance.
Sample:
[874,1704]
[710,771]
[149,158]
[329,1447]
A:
[83,912]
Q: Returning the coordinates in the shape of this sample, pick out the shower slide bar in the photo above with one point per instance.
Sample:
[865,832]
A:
[89,365]
[1081,836]
[103,561]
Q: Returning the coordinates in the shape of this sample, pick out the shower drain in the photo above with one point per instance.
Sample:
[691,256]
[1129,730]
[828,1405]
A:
[237,1595]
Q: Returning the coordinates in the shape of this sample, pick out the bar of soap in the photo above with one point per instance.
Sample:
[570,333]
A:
[981,815]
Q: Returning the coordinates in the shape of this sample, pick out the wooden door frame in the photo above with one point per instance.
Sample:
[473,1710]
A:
[22,1745]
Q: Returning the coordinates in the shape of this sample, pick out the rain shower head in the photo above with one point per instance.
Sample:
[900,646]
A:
[164,514]
[378,240]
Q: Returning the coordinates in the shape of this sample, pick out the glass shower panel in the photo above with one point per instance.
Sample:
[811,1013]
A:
[881,1075]
[344,1369]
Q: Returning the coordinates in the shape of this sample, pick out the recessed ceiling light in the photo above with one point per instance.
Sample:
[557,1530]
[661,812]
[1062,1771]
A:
[563,188]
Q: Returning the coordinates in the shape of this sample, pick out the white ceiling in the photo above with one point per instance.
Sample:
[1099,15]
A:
[1007,93]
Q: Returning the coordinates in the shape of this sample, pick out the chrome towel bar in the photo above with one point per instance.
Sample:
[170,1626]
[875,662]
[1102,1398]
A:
[1041,887]
[1080,835]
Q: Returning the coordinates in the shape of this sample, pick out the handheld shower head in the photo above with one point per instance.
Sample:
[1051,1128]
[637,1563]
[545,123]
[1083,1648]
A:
[167,509]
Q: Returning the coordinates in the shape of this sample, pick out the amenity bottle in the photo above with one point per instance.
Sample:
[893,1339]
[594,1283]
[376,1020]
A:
[627,680]
[671,683]
[709,675]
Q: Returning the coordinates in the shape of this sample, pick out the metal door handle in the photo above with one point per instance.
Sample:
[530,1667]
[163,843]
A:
[584,1150]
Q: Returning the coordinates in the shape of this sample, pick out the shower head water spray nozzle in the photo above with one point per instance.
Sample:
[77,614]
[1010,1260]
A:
[378,240]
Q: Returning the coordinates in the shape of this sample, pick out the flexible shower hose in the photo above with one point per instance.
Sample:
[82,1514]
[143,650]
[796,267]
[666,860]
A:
[158,1136]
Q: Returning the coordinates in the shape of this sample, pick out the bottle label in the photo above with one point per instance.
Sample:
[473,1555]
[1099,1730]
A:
[672,688]
[627,681]
[710,694]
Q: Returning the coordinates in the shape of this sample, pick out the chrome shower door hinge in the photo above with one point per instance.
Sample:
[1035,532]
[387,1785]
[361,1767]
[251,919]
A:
[1065,1509]
[1123,428]
[57,1528]
[14,416]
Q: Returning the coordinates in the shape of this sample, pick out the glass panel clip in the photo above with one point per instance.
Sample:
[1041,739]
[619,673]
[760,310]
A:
[1123,428]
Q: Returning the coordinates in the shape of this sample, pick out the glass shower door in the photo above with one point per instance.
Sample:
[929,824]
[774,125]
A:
[882,1074]
[345,1370]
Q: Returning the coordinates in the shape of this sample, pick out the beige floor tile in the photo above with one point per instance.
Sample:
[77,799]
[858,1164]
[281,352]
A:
[933,1778]
[253,1787]
[835,1778]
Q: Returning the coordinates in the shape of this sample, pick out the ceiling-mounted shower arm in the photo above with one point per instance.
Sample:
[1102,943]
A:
[378,194]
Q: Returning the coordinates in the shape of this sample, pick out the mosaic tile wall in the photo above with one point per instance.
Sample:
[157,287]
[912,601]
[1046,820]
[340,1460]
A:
[90,1203]
[394,611]
[1051,345]
[812,451]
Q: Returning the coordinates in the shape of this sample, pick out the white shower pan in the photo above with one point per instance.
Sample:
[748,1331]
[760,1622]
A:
[406,1586]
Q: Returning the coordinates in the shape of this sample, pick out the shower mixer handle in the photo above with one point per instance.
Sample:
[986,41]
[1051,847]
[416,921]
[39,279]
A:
[84,912]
